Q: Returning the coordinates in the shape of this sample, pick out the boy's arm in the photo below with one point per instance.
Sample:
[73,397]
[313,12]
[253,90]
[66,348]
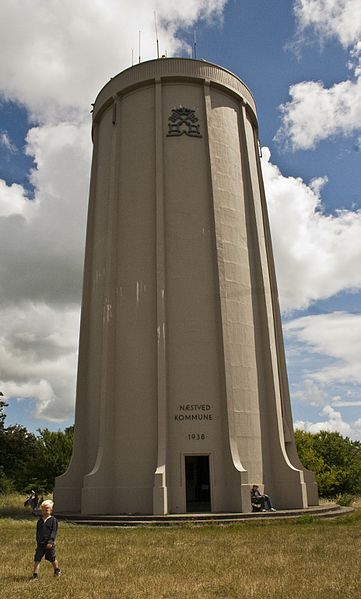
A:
[53,531]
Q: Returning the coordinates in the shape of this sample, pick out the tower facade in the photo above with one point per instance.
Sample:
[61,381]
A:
[182,394]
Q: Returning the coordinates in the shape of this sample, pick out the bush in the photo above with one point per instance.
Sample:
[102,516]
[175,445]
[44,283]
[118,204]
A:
[346,499]
[6,484]
[335,460]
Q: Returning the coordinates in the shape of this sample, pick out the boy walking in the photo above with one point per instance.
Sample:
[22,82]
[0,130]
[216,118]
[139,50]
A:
[46,530]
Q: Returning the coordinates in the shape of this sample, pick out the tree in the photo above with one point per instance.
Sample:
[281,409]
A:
[29,461]
[335,460]
[51,458]
[17,447]
[3,405]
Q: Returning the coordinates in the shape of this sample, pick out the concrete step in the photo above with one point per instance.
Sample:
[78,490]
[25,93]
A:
[327,511]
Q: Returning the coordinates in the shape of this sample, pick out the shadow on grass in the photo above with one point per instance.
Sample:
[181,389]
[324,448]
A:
[17,578]
[24,517]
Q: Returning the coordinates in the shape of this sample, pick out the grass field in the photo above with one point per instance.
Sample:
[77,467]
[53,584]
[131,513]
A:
[305,559]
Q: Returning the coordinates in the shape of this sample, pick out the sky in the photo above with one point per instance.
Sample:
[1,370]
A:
[302,61]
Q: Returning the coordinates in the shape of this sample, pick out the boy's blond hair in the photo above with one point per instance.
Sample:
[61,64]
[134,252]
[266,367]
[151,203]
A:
[47,503]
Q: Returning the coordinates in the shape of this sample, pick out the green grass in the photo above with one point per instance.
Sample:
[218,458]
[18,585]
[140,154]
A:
[303,559]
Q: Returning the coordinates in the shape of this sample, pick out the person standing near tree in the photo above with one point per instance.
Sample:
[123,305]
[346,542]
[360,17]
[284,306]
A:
[46,529]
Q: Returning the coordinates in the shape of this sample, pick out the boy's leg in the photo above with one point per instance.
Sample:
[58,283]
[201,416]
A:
[39,552]
[50,556]
[57,571]
[35,571]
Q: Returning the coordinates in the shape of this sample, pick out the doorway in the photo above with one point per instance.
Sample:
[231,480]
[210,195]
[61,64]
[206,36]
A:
[198,488]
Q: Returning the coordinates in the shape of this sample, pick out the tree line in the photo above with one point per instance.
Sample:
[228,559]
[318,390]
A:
[29,461]
[335,460]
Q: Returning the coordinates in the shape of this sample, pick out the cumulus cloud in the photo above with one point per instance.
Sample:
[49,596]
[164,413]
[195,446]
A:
[13,199]
[330,18]
[333,422]
[340,403]
[56,56]
[41,271]
[38,346]
[5,141]
[316,255]
[316,112]
[357,428]
[325,352]
[45,236]
[312,393]
[325,334]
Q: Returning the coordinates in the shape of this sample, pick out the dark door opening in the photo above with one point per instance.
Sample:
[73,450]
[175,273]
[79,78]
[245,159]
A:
[198,488]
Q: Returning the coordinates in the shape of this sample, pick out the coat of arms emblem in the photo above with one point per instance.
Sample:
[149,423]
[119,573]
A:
[183,121]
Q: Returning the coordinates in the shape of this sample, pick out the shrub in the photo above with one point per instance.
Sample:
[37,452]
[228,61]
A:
[335,460]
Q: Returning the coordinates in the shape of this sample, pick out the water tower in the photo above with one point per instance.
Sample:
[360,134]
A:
[182,394]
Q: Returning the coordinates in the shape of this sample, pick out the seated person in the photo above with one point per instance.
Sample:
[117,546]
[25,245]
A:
[263,502]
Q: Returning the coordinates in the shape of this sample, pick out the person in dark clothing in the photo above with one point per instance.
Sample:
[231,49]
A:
[263,501]
[34,501]
[46,529]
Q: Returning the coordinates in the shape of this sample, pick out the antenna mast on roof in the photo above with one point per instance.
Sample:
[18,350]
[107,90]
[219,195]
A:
[156,33]
[139,43]
[194,45]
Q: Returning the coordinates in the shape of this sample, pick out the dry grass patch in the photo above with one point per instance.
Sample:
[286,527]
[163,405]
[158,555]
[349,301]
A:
[12,504]
[307,559]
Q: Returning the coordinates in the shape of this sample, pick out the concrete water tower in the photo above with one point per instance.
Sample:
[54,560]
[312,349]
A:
[182,395]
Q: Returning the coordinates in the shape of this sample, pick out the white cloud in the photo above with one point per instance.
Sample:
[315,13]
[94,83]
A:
[355,60]
[13,199]
[316,255]
[357,428]
[325,353]
[5,141]
[311,394]
[316,112]
[57,55]
[340,403]
[331,18]
[337,336]
[41,271]
[38,347]
[43,239]
[333,423]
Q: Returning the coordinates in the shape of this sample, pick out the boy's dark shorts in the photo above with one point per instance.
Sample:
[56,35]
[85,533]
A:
[41,550]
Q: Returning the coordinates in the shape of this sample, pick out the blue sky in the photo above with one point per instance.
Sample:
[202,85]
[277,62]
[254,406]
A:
[302,61]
